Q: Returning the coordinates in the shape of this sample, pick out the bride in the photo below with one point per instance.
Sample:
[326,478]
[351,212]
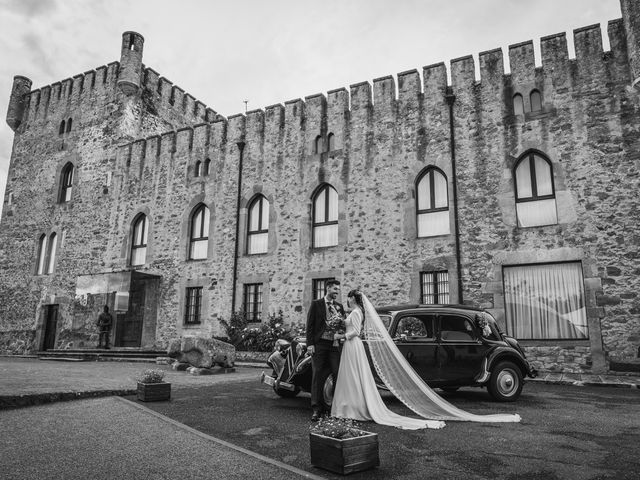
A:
[356,395]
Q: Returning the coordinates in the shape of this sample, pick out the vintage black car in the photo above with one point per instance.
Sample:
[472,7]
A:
[449,346]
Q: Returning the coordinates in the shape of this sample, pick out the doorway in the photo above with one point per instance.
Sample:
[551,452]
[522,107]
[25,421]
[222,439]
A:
[50,325]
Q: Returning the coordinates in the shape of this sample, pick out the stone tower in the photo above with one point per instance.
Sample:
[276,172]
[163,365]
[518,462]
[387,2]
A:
[631,18]
[131,63]
[21,87]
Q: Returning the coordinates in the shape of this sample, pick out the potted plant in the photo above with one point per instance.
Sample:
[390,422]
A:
[151,387]
[340,446]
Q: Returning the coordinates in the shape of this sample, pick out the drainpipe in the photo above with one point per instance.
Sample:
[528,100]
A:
[237,246]
[451,98]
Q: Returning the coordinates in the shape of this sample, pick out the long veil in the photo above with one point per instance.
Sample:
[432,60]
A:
[394,370]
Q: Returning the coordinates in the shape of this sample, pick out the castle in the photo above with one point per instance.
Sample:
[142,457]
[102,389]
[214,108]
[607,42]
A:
[516,192]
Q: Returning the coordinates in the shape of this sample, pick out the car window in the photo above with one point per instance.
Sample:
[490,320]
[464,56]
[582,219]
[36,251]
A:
[454,328]
[415,327]
[386,320]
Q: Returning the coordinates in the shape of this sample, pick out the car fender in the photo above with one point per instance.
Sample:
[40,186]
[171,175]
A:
[500,354]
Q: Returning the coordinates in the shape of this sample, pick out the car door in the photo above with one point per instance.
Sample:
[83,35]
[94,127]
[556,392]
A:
[461,351]
[414,335]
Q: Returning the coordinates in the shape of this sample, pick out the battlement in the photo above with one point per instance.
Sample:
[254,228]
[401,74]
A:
[103,81]
[319,114]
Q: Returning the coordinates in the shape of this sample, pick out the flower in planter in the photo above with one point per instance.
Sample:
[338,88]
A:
[336,427]
[151,376]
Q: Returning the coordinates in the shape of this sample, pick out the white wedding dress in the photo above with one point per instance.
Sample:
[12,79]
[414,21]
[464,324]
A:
[356,395]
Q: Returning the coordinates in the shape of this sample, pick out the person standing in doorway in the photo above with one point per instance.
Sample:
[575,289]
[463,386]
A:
[324,351]
[104,328]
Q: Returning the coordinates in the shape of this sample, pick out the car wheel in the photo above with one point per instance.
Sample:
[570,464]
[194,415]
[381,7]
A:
[506,382]
[327,392]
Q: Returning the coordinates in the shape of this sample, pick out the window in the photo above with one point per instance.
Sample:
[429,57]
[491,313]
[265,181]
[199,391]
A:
[199,233]
[455,329]
[139,244]
[66,186]
[325,217]
[193,306]
[536,101]
[253,301]
[61,129]
[42,254]
[51,253]
[331,142]
[197,171]
[416,327]
[545,301]
[432,203]
[535,193]
[207,167]
[317,146]
[69,122]
[518,104]
[434,287]
[319,287]
[258,231]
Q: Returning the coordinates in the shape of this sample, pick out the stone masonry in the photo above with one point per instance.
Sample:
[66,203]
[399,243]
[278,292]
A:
[136,139]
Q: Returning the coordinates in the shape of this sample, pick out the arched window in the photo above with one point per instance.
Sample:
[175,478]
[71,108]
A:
[197,171]
[69,122]
[535,191]
[42,254]
[51,254]
[61,129]
[139,240]
[207,167]
[331,142]
[536,101]
[432,200]
[518,104]
[258,229]
[325,217]
[66,184]
[317,146]
[199,233]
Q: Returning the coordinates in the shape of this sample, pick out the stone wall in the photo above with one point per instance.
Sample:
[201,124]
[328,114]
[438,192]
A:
[137,154]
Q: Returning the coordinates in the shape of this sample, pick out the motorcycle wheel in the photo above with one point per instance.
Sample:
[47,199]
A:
[327,392]
[286,393]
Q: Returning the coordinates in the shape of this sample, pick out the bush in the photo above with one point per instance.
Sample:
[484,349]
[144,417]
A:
[261,338]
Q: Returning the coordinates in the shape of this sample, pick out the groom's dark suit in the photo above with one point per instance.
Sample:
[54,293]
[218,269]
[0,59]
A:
[325,354]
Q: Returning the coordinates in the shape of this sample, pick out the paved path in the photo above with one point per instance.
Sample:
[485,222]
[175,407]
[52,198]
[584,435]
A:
[107,438]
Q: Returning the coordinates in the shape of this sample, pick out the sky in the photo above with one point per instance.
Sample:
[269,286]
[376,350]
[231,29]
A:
[226,52]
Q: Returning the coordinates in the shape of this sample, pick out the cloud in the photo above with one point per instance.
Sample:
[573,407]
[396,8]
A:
[29,8]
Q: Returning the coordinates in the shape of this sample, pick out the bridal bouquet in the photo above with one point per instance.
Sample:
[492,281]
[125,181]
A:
[335,324]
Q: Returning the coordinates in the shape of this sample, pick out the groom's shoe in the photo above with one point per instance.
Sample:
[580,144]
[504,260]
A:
[316,416]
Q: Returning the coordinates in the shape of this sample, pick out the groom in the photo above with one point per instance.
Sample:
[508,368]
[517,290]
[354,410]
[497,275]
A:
[320,343]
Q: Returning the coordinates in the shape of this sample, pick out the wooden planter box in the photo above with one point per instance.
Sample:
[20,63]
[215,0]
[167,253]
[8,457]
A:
[154,392]
[344,455]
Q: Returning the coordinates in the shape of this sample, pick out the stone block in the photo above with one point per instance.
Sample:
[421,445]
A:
[202,352]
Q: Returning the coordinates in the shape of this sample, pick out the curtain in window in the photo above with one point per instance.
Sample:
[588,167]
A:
[258,226]
[545,301]
[199,234]
[139,247]
[537,213]
[518,104]
[533,213]
[53,245]
[42,253]
[432,222]
[325,230]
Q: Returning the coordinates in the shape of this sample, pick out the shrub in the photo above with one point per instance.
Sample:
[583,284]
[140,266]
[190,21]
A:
[261,338]
[151,376]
